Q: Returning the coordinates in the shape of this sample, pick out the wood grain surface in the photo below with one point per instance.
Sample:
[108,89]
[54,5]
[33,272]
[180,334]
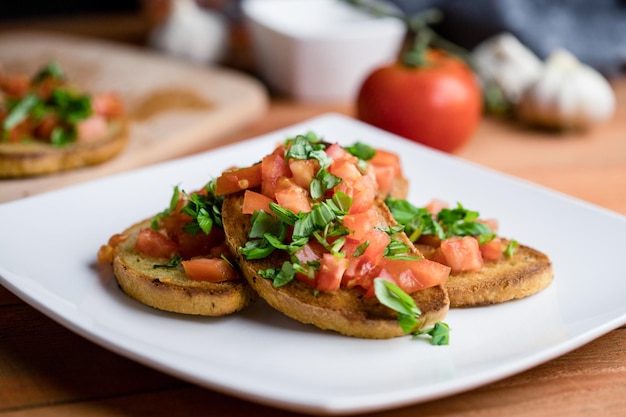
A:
[46,370]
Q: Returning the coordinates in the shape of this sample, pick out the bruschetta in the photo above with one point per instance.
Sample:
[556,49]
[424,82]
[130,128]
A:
[485,267]
[48,125]
[178,261]
[315,241]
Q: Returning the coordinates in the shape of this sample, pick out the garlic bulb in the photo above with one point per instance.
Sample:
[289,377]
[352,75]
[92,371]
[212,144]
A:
[506,62]
[192,33]
[567,95]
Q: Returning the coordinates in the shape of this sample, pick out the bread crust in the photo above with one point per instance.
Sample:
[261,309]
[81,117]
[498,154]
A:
[169,289]
[35,158]
[525,273]
[345,311]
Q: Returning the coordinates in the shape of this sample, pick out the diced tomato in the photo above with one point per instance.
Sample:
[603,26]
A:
[491,250]
[360,224]
[435,206]
[311,252]
[273,167]
[199,244]
[253,201]
[362,191]
[92,128]
[155,244]
[303,171]
[415,275]
[336,152]
[209,269]
[384,158]
[385,178]
[107,104]
[239,179]
[360,268]
[345,169]
[330,272]
[462,253]
[292,197]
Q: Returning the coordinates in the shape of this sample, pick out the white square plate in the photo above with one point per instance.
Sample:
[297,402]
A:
[49,242]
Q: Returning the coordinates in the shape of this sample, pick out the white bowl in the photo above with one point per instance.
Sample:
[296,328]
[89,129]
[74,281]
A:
[319,50]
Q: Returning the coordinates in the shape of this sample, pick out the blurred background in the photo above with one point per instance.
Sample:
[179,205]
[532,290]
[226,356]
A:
[595,32]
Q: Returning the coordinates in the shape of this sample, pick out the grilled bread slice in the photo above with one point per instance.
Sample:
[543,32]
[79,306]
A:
[345,311]
[168,288]
[526,272]
[34,158]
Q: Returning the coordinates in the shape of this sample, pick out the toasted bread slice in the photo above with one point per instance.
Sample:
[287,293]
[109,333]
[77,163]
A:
[525,273]
[37,158]
[345,311]
[169,289]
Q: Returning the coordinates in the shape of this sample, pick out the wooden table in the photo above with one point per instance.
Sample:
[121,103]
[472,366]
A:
[46,370]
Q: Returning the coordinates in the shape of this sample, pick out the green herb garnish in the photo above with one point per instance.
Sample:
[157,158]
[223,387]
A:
[173,263]
[361,151]
[458,221]
[390,295]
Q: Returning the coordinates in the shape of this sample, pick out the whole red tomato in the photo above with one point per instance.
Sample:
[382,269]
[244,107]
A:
[438,104]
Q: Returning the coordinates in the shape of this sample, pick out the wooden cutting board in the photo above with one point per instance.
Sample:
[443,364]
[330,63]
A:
[176,108]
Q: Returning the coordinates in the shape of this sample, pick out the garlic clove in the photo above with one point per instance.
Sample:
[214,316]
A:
[192,33]
[504,61]
[567,95]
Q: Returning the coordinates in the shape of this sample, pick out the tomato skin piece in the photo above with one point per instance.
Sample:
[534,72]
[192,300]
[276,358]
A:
[330,273]
[438,104]
[154,244]
[462,254]
[209,269]
[253,201]
[239,179]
